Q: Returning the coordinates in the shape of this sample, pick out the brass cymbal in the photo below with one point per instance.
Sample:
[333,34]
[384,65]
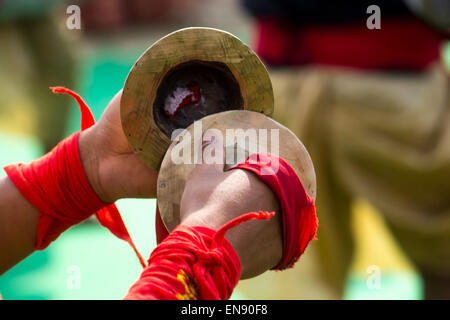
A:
[227,74]
[172,176]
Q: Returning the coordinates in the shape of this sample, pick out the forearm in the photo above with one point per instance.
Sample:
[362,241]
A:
[19,218]
[248,239]
[18,225]
[81,175]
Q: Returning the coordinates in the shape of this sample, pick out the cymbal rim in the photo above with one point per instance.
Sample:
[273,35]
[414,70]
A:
[148,141]
[172,177]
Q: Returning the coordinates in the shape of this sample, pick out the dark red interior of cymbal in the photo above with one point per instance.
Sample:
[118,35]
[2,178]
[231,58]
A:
[219,92]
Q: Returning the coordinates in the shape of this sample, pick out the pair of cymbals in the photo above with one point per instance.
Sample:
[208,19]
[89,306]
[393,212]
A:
[232,91]
[229,74]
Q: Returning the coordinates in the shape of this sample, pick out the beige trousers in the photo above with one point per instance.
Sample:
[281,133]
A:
[384,137]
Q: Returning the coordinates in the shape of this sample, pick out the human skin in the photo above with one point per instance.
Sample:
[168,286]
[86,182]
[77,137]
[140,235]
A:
[113,171]
[212,197]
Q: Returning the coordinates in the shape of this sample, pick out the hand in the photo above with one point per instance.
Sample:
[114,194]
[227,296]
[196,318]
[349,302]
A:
[213,197]
[113,170]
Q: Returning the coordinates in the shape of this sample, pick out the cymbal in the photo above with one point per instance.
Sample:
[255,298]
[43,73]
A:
[280,140]
[183,77]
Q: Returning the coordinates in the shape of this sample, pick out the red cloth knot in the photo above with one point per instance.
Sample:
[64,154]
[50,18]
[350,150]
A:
[56,184]
[211,257]
[193,263]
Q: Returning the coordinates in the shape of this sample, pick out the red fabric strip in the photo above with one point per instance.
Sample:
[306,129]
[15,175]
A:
[298,211]
[161,230]
[192,263]
[401,43]
[299,218]
[87,119]
[57,185]
[193,97]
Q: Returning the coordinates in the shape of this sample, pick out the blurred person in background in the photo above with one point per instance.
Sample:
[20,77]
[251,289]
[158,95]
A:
[35,55]
[38,51]
[371,101]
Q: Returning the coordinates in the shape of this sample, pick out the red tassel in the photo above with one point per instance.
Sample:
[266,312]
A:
[57,185]
[193,263]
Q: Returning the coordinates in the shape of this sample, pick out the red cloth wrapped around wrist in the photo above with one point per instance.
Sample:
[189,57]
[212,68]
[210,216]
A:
[192,263]
[402,43]
[57,185]
[299,220]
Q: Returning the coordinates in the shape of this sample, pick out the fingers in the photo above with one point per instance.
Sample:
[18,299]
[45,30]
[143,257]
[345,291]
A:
[212,151]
